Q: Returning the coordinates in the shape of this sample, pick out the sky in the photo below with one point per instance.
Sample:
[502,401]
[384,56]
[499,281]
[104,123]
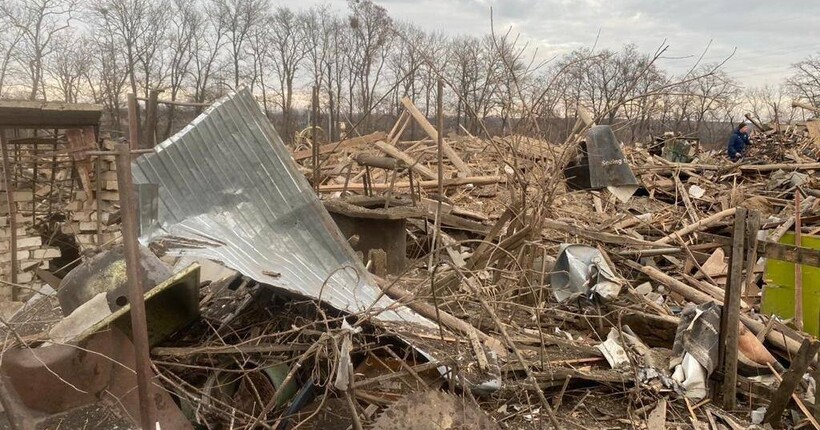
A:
[766,36]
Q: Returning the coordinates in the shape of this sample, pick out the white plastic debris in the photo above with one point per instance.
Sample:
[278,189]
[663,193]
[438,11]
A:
[613,351]
[692,377]
[758,414]
[696,191]
[345,367]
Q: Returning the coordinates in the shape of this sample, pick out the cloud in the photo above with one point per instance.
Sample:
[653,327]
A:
[768,36]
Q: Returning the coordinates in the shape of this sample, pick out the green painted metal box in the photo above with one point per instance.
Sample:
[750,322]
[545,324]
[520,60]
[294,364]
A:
[778,295]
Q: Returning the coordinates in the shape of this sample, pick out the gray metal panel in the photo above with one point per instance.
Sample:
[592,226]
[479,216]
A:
[230,191]
[607,164]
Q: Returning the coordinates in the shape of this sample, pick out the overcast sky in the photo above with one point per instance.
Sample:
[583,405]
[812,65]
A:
[769,35]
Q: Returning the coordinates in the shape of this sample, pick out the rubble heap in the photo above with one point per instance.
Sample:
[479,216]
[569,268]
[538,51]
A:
[501,297]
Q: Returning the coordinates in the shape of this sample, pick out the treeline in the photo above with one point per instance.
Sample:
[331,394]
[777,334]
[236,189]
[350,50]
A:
[363,62]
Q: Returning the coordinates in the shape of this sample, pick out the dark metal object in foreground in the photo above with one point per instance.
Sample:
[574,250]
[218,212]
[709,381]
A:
[105,272]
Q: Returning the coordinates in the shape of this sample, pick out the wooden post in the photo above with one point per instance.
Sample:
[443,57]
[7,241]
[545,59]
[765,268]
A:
[752,227]
[790,381]
[730,316]
[98,197]
[151,108]
[816,375]
[133,122]
[133,269]
[314,141]
[9,293]
[434,134]
[798,269]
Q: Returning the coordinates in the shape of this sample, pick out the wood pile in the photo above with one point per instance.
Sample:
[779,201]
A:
[671,244]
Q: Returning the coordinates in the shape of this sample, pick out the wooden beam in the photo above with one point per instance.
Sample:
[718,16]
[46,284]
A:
[799,104]
[36,114]
[778,251]
[706,222]
[428,128]
[730,315]
[454,182]
[697,297]
[151,119]
[792,377]
[340,145]
[798,269]
[177,102]
[81,141]
[410,161]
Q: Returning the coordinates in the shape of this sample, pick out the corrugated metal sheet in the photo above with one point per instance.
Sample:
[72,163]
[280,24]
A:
[230,191]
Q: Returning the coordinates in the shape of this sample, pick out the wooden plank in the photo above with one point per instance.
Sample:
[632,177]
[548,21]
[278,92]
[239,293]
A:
[410,161]
[706,222]
[37,114]
[798,269]
[82,139]
[454,182]
[730,316]
[778,251]
[341,145]
[151,119]
[752,227]
[448,150]
[792,377]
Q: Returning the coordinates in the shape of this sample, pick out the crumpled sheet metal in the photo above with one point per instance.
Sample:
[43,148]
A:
[230,191]
[582,270]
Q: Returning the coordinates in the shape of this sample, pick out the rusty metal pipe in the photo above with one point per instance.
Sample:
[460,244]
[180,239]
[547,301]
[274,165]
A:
[139,326]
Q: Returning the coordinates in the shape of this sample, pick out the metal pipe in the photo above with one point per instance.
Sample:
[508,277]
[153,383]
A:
[133,269]
[133,123]
[314,144]
[12,212]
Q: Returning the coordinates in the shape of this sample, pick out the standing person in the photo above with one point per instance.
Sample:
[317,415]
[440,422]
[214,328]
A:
[738,142]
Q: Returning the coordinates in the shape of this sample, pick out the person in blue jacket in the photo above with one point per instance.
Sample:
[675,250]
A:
[738,142]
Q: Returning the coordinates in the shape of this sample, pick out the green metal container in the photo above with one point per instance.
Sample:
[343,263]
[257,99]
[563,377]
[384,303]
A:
[778,295]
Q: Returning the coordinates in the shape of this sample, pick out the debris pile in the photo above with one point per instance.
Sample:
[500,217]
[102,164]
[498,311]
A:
[447,282]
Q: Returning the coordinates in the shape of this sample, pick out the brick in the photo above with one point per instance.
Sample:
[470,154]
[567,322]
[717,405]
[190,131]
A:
[45,254]
[70,228]
[29,242]
[81,216]
[21,256]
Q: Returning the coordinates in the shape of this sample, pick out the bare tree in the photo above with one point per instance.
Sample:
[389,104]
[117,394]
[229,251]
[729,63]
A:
[261,55]
[805,82]
[288,39]
[39,22]
[9,40]
[770,103]
[238,18]
[372,30]
[108,76]
[70,65]
[186,24]
[318,24]
[131,25]
[208,39]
